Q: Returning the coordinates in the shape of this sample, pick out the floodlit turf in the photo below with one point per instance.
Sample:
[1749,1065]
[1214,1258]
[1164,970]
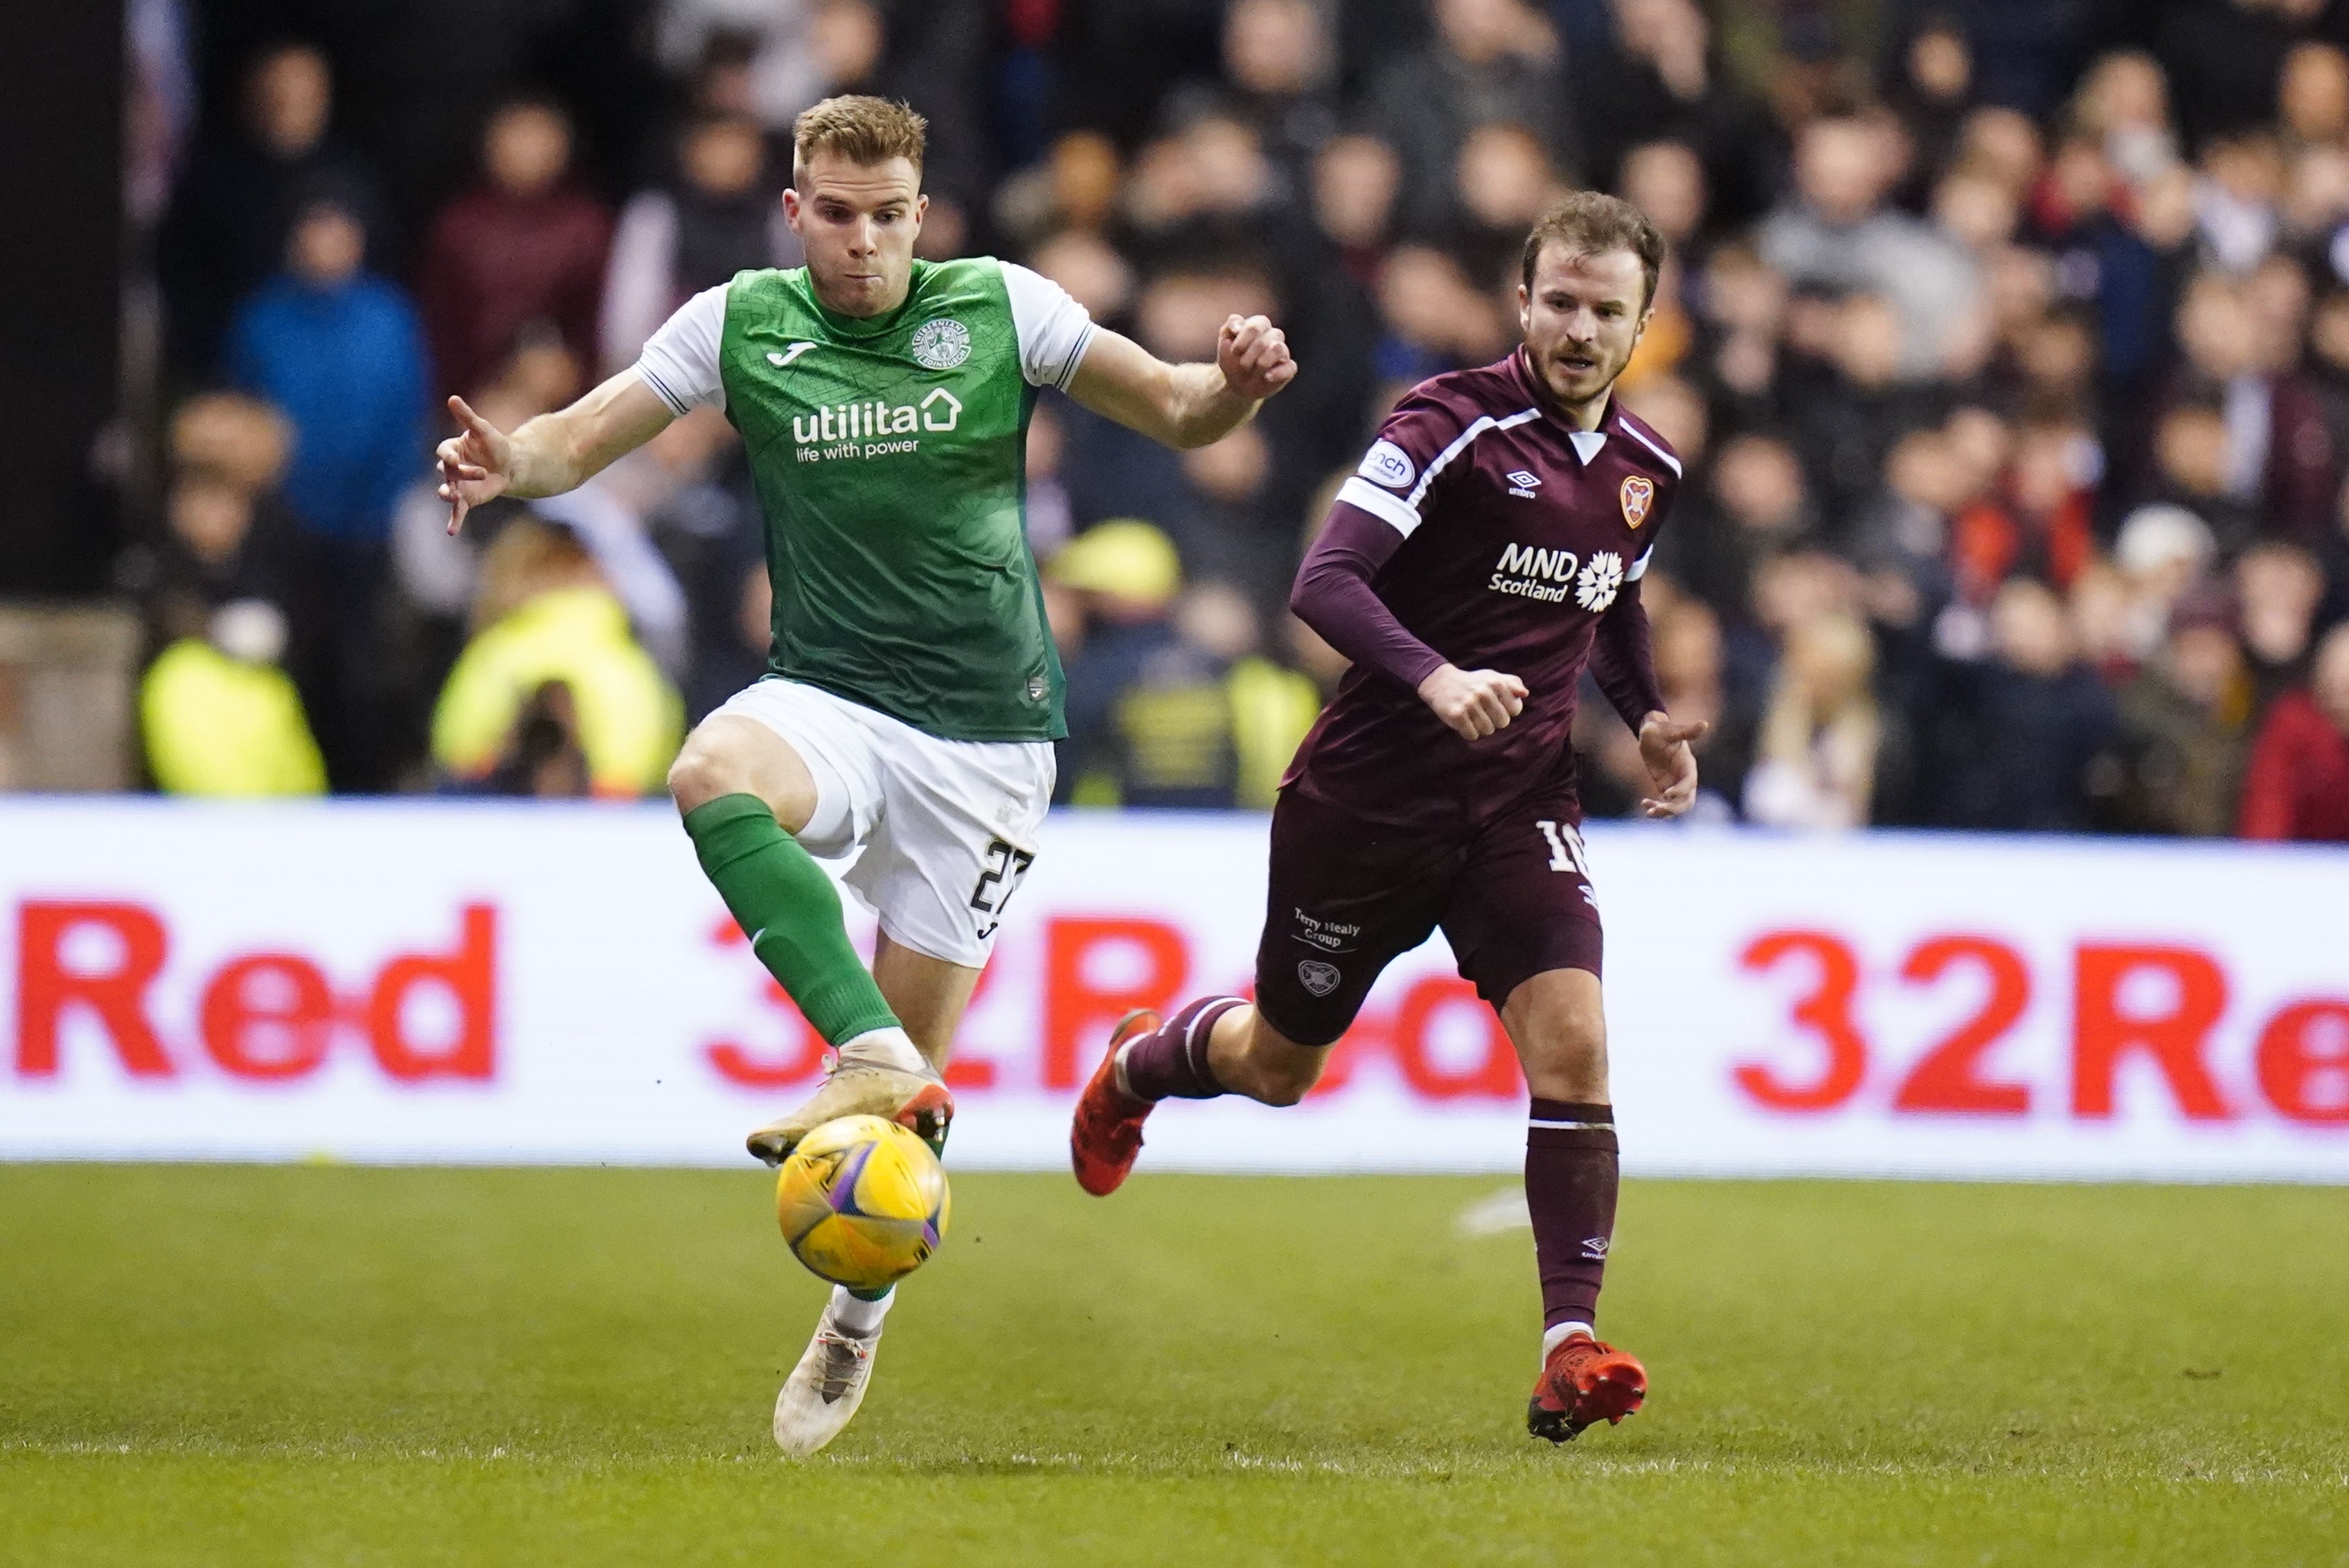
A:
[320,1366]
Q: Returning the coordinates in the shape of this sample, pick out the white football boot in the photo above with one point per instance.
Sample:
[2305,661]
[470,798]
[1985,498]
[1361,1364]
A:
[880,1073]
[825,1389]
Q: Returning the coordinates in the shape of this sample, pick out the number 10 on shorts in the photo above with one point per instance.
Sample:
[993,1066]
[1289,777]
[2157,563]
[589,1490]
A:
[1564,848]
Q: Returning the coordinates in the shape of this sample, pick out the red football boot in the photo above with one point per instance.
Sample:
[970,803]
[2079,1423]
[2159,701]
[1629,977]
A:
[1106,1133]
[1583,1382]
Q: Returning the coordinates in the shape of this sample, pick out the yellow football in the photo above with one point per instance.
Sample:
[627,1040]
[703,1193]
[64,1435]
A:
[863,1202]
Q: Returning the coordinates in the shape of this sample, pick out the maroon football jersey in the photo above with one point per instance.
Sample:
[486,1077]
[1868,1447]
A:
[1518,533]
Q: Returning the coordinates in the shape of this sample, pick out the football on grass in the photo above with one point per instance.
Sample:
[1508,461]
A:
[863,1202]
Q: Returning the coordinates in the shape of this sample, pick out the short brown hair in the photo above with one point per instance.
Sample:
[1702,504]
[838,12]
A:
[864,131]
[1593,224]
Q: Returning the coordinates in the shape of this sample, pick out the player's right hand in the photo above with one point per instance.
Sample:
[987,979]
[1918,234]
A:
[476,465]
[1474,703]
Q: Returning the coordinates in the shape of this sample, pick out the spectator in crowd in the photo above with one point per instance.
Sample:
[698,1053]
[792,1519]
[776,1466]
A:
[337,349]
[719,216]
[1840,236]
[244,188]
[1282,67]
[1822,739]
[526,249]
[218,716]
[2035,721]
[1493,60]
[2298,782]
[2185,729]
[2279,587]
[552,695]
[1664,80]
[742,57]
[1692,672]
[1174,706]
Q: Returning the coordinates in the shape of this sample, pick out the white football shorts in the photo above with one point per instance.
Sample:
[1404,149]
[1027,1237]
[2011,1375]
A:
[946,828]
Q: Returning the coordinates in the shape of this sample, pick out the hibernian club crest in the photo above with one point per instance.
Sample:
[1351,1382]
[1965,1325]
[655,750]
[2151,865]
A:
[941,345]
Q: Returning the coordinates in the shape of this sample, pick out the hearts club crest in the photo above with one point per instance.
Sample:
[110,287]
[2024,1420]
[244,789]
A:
[1638,496]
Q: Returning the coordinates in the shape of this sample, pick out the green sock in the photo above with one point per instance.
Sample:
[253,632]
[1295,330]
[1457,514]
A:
[783,899]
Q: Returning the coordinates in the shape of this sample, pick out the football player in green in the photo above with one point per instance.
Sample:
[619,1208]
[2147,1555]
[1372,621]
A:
[913,691]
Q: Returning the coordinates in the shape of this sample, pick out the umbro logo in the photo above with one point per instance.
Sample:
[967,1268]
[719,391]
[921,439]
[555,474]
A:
[788,355]
[1594,1249]
[1523,484]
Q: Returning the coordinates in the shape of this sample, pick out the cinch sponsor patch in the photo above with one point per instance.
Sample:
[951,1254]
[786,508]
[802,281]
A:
[1388,464]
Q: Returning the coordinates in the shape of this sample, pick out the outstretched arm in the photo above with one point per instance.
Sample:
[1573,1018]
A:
[1185,405]
[549,454]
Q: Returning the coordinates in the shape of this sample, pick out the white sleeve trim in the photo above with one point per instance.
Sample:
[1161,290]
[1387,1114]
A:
[1670,460]
[1054,329]
[680,361]
[1383,505]
[1639,568]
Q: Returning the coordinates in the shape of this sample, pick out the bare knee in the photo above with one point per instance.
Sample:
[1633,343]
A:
[702,772]
[728,755]
[1559,1024]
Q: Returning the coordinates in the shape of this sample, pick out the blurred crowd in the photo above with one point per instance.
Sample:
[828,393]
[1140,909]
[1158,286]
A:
[2006,343]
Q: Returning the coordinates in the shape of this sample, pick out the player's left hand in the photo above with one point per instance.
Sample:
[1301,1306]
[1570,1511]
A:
[1253,355]
[1664,746]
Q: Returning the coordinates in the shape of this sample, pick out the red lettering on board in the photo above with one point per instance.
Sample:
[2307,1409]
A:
[1825,1013]
[2303,1062]
[469,977]
[1494,1075]
[46,989]
[268,1016]
[2104,1034]
[1079,1010]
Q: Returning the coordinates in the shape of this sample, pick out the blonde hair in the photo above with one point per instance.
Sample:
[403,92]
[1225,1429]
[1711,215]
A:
[864,131]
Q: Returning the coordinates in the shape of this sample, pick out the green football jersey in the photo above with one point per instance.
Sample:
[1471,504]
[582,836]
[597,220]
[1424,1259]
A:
[890,458]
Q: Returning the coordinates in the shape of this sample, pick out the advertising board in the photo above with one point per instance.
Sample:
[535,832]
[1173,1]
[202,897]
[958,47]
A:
[492,983]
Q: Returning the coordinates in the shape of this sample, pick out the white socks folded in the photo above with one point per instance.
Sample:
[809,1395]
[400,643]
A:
[853,1315]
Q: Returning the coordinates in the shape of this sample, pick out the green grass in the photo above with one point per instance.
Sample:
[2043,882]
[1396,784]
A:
[315,1366]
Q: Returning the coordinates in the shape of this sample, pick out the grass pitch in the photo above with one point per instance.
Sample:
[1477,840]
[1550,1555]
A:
[314,1365]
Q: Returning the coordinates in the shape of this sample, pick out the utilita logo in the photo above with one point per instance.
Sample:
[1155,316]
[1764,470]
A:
[866,430]
[271,1016]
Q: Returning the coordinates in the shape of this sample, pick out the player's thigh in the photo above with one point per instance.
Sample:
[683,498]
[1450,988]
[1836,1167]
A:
[958,832]
[1524,907]
[799,749]
[1343,899]
[928,995]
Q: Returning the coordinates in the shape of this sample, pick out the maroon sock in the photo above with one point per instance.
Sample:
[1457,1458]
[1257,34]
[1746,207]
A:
[1570,1179]
[1171,1061]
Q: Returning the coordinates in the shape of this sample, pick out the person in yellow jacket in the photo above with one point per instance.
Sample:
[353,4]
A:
[547,618]
[220,718]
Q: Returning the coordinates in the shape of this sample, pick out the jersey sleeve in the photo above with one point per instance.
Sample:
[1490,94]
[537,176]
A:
[1054,329]
[1397,476]
[679,361]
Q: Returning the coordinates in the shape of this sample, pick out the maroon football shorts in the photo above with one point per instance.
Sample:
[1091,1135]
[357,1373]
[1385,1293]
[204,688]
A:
[1347,898]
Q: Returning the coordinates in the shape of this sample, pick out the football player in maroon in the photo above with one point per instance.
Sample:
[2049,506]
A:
[1487,550]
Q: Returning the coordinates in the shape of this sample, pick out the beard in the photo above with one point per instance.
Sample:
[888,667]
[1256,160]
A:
[1576,376]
